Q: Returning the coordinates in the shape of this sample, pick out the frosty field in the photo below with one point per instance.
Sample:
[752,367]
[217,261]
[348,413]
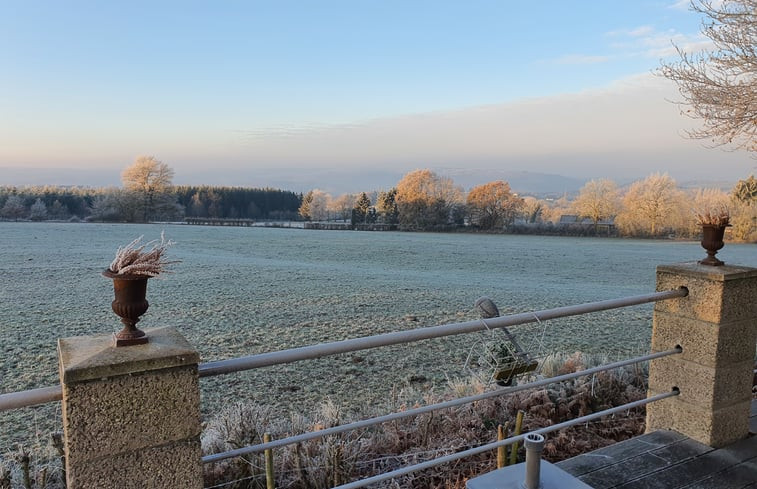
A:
[241,291]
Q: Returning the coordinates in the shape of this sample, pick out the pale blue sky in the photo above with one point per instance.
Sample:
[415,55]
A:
[246,85]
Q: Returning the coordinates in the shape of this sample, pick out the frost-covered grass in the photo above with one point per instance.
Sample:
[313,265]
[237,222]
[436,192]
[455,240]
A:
[336,459]
[240,291]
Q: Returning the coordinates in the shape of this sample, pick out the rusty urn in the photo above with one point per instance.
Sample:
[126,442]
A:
[129,304]
[712,241]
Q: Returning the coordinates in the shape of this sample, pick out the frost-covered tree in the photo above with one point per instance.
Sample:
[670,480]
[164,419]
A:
[58,210]
[651,206]
[425,199]
[719,85]
[597,200]
[361,211]
[493,205]
[386,204]
[304,210]
[38,210]
[746,191]
[14,208]
[532,209]
[315,205]
[342,206]
[149,179]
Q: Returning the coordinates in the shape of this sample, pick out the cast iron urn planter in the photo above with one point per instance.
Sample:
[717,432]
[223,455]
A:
[712,241]
[130,303]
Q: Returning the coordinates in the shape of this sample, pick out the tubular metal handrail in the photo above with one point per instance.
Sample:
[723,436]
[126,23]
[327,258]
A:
[324,349]
[507,441]
[15,400]
[31,397]
[217,457]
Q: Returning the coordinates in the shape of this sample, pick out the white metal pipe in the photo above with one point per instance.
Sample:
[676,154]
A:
[534,443]
[217,457]
[15,400]
[324,349]
[492,446]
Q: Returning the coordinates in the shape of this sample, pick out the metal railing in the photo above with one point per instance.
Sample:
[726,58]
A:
[321,350]
[49,394]
[507,441]
[431,407]
[32,397]
[399,337]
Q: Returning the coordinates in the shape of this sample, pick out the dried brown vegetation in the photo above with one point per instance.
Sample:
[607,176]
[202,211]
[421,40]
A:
[337,459]
[340,458]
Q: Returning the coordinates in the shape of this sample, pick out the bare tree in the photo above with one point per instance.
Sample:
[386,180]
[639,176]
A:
[532,209]
[652,206]
[719,85]
[597,200]
[341,207]
[149,178]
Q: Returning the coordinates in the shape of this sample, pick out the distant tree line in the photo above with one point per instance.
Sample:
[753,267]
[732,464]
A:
[112,204]
[147,195]
[651,207]
[238,202]
[421,201]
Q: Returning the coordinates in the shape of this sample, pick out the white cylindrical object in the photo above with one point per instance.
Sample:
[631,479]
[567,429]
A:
[534,444]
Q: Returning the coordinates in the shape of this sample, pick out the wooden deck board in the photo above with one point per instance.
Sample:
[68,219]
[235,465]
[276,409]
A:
[686,473]
[737,477]
[618,452]
[654,461]
[668,460]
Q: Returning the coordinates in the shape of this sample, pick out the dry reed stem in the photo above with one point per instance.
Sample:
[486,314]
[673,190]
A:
[719,217]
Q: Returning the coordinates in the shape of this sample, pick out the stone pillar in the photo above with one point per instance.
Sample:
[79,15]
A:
[131,415]
[716,325]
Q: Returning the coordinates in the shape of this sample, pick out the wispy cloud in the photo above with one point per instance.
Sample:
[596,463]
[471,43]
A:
[685,4]
[649,42]
[285,131]
[628,123]
[680,5]
[643,30]
[580,59]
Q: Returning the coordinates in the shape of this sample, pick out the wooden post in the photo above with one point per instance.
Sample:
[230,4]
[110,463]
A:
[269,480]
[514,447]
[501,451]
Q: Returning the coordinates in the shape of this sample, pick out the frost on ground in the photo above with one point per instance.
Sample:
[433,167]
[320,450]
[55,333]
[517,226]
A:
[240,291]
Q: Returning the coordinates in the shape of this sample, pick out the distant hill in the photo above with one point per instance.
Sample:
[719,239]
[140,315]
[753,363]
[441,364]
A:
[521,182]
[332,180]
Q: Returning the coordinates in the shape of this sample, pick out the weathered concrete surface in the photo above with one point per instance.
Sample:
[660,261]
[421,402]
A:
[716,325]
[131,415]
[97,357]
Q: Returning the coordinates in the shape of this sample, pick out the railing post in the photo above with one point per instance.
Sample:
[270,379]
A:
[716,325]
[131,415]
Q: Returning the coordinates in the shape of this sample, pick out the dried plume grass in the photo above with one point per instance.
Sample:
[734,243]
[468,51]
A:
[718,216]
[132,259]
